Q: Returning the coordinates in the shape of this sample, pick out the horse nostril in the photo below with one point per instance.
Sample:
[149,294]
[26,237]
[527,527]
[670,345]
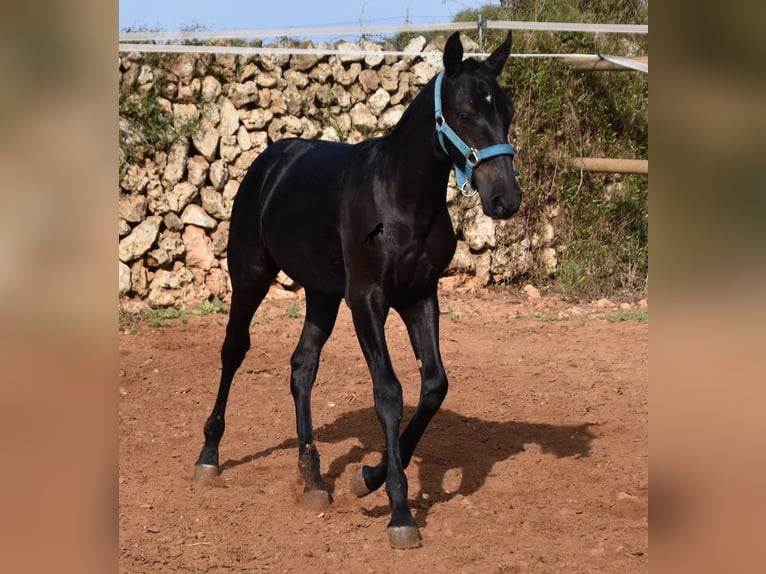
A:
[498,206]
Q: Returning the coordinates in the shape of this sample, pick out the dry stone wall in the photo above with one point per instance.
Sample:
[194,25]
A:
[175,205]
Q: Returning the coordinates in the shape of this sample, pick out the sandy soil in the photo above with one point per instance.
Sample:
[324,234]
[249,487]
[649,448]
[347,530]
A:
[537,462]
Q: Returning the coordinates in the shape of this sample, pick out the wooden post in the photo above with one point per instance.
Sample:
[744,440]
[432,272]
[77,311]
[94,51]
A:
[609,165]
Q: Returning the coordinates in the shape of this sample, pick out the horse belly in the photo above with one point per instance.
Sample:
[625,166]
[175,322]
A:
[306,246]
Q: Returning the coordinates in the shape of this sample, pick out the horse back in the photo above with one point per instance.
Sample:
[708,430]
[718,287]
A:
[289,204]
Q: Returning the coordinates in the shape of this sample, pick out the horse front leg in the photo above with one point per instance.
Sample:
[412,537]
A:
[369,319]
[422,321]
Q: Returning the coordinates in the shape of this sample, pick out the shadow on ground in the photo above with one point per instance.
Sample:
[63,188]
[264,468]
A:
[452,441]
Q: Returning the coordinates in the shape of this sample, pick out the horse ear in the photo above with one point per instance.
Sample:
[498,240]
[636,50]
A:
[497,59]
[453,53]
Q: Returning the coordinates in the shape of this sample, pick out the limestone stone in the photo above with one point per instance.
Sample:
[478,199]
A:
[176,166]
[330,134]
[389,118]
[285,281]
[302,62]
[415,45]
[180,196]
[242,95]
[321,72]
[183,66]
[478,229]
[294,100]
[531,291]
[172,243]
[206,139]
[240,166]
[189,94]
[124,279]
[212,202]
[362,118]
[296,79]
[157,258]
[138,279]
[349,47]
[266,80]
[463,261]
[422,72]
[158,200]
[219,238]
[135,179]
[211,89]
[278,105]
[482,274]
[388,78]
[229,119]
[140,239]
[196,170]
[194,215]
[229,192]
[132,208]
[198,246]
[215,281]
[369,80]
[549,260]
[256,119]
[247,71]
[378,101]
[172,221]
[218,174]
[371,60]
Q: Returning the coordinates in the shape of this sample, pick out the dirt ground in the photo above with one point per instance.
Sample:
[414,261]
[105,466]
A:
[537,462]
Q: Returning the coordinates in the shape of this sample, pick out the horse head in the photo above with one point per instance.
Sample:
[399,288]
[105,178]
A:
[473,115]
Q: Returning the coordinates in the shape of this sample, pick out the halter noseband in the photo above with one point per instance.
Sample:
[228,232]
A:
[473,157]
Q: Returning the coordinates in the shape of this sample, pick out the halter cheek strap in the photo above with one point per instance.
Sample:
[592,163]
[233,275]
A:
[473,157]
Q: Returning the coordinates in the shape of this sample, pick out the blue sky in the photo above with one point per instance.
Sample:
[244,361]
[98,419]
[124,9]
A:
[172,15]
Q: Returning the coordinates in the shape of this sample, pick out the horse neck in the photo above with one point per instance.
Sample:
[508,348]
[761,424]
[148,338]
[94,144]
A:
[419,161]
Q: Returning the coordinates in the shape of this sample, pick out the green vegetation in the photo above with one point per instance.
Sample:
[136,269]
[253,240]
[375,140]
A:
[640,315]
[601,220]
[211,307]
[147,125]
[602,230]
[293,311]
[602,236]
[160,317]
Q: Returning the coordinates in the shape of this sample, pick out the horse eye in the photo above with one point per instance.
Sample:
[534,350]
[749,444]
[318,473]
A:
[464,117]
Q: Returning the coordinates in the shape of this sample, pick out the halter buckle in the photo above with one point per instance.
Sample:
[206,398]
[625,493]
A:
[473,156]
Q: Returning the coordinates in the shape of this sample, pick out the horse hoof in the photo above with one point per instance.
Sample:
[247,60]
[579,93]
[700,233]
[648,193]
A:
[206,471]
[404,536]
[358,486]
[315,499]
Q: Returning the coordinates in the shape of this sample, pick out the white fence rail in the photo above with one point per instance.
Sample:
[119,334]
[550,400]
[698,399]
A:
[135,41]
[385,29]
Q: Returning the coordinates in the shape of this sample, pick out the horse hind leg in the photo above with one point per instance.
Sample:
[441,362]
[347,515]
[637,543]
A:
[245,299]
[321,312]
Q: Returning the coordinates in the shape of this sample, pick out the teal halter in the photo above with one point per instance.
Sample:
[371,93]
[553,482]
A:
[473,157]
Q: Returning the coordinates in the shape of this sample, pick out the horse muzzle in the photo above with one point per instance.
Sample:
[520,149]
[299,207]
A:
[500,194]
